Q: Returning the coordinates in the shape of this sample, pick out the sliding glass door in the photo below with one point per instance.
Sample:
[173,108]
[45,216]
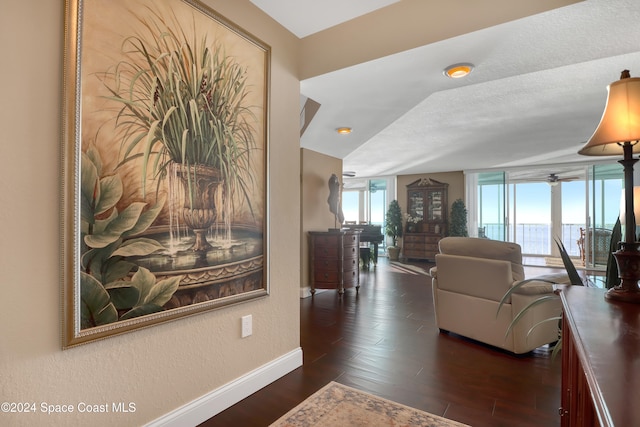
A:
[377,201]
[576,204]
[573,215]
[606,183]
[491,204]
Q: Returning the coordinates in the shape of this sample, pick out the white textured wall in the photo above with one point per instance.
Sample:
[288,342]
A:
[160,368]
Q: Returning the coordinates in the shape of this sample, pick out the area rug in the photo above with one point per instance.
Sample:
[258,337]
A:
[336,405]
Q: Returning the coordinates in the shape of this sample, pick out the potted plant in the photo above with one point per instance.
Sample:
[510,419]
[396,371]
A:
[458,226]
[183,114]
[612,279]
[574,280]
[393,228]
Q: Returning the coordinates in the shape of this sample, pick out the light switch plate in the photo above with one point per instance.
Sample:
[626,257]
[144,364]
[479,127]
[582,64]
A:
[247,325]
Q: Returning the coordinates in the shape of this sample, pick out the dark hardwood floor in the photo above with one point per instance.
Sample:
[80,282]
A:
[383,340]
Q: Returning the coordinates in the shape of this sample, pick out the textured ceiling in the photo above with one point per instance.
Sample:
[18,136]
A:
[536,94]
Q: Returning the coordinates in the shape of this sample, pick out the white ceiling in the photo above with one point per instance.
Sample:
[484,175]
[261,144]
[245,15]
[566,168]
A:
[535,96]
[306,17]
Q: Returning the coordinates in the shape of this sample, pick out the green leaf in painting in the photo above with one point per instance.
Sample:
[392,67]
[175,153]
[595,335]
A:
[101,225]
[123,295]
[117,270]
[163,291]
[126,219]
[94,157]
[88,189]
[110,193]
[144,281]
[96,308]
[146,218]
[141,310]
[111,229]
[100,240]
[138,247]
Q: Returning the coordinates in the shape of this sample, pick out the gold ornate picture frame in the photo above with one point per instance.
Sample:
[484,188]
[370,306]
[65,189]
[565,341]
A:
[164,165]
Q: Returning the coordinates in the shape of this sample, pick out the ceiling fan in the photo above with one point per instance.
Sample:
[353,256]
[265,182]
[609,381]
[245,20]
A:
[554,179]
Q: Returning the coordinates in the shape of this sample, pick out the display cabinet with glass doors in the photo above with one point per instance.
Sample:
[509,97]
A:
[427,218]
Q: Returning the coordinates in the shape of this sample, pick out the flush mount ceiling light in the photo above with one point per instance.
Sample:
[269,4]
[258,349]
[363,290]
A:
[343,131]
[457,71]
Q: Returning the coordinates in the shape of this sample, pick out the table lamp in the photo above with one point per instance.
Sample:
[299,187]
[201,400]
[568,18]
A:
[618,134]
[636,206]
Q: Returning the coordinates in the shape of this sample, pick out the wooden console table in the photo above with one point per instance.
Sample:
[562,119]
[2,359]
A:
[600,359]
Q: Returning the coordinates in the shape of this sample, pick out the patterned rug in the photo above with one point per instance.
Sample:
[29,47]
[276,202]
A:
[336,405]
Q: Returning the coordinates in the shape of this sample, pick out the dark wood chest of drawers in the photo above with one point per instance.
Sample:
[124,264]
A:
[420,245]
[334,260]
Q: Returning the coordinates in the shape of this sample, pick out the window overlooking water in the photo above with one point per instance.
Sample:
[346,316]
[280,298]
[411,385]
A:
[574,208]
[530,217]
[540,204]
[365,200]
[491,206]
[351,205]
[377,201]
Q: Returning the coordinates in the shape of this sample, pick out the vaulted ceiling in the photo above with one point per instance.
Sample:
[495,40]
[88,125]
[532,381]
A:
[535,96]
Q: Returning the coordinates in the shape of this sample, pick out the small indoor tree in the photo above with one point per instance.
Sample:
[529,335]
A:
[393,227]
[458,226]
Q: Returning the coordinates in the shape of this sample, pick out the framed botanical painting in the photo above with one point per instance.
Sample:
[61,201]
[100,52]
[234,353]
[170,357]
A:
[164,164]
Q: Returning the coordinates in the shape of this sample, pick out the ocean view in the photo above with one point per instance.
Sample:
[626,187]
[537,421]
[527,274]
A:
[536,239]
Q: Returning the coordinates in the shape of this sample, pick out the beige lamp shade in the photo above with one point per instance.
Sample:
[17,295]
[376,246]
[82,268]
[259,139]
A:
[620,121]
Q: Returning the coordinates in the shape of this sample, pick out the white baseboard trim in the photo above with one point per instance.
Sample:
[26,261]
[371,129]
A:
[216,401]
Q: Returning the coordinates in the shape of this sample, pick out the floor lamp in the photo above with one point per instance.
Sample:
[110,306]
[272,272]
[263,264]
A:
[618,134]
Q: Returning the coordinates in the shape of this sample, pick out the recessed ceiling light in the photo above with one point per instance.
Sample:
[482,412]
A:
[457,71]
[343,131]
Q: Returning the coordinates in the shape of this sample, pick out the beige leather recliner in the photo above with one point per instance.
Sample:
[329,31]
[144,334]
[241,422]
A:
[471,277]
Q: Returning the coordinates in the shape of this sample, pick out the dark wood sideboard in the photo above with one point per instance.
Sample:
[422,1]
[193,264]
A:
[600,359]
[334,260]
